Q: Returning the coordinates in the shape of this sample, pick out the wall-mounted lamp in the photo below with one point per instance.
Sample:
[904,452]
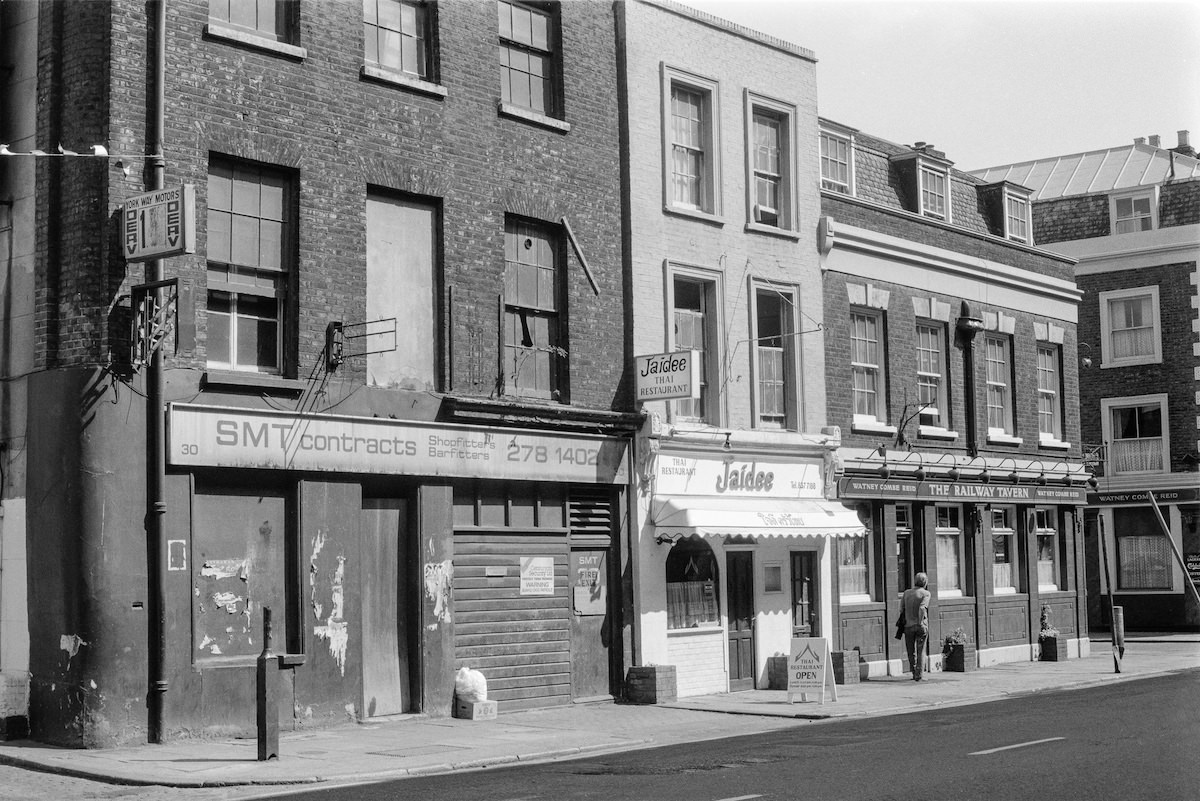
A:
[727,446]
[1086,359]
[665,539]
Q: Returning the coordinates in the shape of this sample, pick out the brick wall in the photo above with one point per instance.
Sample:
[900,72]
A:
[699,662]
[1179,204]
[340,135]
[1070,218]
[1175,374]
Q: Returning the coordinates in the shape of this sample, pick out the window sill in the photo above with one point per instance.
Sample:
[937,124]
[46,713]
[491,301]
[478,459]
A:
[1108,365]
[864,426]
[1003,439]
[401,81]
[1054,444]
[1004,590]
[771,230]
[934,432]
[695,214]
[218,30]
[524,114]
[232,379]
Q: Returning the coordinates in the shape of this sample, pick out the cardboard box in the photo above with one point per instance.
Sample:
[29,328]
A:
[481,710]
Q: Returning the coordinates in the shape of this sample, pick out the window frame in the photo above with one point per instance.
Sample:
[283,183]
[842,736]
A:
[1051,395]
[866,562]
[1024,235]
[1044,522]
[789,309]
[709,207]
[1007,530]
[925,169]
[784,116]
[878,369]
[281,277]
[1148,193]
[519,313]
[552,98]
[1110,405]
[959,535]
[938,329]
[693,545]
[1106,300]
[1008,430]
[282,40]
[429,83]
[844,139]
[710,374]
[1122,531]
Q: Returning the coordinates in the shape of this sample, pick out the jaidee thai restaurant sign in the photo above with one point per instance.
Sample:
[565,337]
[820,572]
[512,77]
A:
[959,491]
[217,436]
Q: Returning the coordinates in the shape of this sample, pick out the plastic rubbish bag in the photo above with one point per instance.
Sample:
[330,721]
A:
[470,685]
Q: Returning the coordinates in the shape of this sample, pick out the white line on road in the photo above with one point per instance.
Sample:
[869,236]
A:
[740,798]
[1018,745]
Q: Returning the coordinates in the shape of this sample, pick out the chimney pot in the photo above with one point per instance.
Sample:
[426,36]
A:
[1155,141]
[1183,138]
[919,146]
[1141,140]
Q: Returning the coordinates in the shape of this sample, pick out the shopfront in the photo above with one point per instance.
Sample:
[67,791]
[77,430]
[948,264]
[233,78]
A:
[736,557]
[1147,580]
[391,553]
[998,549]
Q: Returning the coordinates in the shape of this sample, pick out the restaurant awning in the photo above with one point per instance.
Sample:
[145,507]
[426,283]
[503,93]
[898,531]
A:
[757,517]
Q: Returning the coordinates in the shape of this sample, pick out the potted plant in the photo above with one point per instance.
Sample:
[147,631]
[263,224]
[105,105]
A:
[1053,644]
[954,651]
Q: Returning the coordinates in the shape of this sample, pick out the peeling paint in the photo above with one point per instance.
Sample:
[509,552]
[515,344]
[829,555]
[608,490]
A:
[335,631]
[228,600]
[71,643]
[226,568]
[437,587]
[210,644]
[318,544]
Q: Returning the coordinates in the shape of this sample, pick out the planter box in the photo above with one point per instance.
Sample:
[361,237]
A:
[954,659]
[777,677]
[845,667]
[1054,649]
[650,684]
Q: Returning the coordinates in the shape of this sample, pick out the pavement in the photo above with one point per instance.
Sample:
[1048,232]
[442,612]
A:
[420,746]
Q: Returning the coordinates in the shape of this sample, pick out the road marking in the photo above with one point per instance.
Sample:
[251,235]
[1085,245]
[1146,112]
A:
[740,798]
[1018,745]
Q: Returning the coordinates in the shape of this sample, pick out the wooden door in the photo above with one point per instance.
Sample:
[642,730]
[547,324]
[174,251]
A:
[806,609]
[384,607]
[739,577]
[590,657]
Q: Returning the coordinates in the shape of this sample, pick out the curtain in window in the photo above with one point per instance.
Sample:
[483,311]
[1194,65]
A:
[852,566]
[949,562]
[1132,327]
[1144,562]
[1047,574]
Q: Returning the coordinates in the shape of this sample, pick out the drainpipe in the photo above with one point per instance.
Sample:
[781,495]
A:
[156,507]
[968,326]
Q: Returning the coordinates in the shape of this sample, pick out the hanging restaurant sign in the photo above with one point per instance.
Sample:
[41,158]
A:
[959,491]
[668,375]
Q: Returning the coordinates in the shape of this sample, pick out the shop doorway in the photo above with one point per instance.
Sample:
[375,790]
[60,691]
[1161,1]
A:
[806,618]
[590,656]
[739,577]
[385,608]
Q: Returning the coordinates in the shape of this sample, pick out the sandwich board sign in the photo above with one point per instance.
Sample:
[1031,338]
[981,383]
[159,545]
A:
[808,669]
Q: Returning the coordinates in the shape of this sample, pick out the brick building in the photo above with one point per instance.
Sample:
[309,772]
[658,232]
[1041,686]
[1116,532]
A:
[1130,215]
[395,405]
[733,551]
[950,368]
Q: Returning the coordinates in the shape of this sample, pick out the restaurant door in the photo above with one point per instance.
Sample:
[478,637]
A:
[740,586]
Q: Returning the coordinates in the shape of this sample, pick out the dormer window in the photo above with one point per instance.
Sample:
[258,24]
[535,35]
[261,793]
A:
[934,193]
[837,159]
[1134,211]
[923,176]
[1016,217]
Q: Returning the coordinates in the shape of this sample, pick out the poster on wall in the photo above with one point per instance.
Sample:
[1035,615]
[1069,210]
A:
[537,575]
[589,583]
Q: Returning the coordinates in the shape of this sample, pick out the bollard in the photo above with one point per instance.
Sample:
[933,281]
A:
[268,696]
[1118,624]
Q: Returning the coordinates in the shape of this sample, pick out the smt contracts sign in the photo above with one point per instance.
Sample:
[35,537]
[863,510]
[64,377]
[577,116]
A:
[214,436]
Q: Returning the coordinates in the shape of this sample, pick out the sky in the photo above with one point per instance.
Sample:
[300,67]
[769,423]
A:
[994,82]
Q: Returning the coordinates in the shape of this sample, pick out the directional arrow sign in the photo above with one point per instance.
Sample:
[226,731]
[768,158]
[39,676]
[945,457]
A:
[160,223]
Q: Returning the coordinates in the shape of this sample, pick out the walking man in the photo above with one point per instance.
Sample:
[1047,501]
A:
[916,623]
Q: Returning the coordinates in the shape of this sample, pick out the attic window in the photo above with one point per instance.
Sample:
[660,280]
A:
[1016,217]
[934,197]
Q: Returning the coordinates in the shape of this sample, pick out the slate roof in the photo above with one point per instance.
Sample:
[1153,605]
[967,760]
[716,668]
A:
[1095,172]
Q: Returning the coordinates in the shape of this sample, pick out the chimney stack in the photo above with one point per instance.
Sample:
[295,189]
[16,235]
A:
[1184,148]
[1141,140]
[1155,141]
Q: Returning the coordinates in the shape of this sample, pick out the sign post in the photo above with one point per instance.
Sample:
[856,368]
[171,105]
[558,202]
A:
[808,669]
